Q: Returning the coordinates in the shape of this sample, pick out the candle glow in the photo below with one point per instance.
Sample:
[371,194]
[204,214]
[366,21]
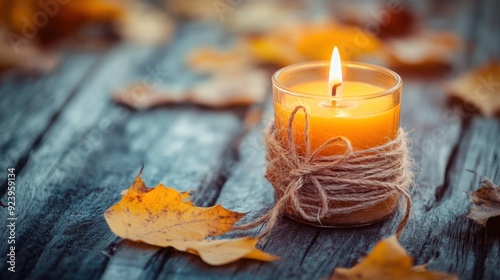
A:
[335,77]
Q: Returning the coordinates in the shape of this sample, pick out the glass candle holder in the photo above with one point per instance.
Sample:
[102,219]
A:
[365,110]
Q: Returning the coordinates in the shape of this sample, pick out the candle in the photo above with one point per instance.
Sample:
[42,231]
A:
[363,107]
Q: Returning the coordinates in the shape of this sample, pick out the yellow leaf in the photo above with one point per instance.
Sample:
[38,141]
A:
[318,42]
[389,261]
[305,41]
[479,88]
[164,217]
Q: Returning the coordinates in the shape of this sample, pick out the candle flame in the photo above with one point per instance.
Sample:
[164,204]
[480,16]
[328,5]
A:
[335,78]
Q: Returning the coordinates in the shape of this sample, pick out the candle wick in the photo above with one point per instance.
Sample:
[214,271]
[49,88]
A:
[334,89]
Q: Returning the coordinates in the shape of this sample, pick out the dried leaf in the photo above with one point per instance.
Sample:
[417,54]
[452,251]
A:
[209,60]
[165,217]
[278,46]
[144,25]
[318,41]
[27,58]
[192,9]
[247,18]
[486,202]
[220,90]
[389,261]
[388,20]
[424,49]
[480,87]
[306,41]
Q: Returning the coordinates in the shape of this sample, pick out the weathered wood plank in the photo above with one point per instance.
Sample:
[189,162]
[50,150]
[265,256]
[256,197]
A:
[30,104]
[54,178]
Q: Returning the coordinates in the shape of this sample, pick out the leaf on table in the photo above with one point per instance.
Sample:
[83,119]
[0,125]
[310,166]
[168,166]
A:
[26,18]
[164,217]
[278,46]
[27,58]
[424,49]
[480,87]
[318,41]
[294,43]
[192,9]
[209,60]
[143,24]
[247,18]
[220,90]
[486,202]
[88,21]
[388,20]
[389,261]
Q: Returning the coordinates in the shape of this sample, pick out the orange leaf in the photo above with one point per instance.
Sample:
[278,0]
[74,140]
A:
[318,42]
[479,87]
[165,217]
[389,261]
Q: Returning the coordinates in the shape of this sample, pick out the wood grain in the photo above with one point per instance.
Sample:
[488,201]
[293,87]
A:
[75,150]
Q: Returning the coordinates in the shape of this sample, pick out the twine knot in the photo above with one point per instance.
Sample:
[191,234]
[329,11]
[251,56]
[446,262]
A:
[316,187]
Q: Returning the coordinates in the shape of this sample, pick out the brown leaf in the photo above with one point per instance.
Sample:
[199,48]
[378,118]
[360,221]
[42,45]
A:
[480,87]
[220,90]
[389,261]
[424,49]
[26,58]
[486,202]
[387,20]
[167,218]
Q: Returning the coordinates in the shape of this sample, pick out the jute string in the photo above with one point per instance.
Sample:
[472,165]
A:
[313,185]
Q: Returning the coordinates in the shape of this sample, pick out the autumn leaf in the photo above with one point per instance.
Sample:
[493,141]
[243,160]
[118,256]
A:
[144,24]
[318,41]
[486,202]
[479,87]
[220,90]
[209,60]
[423,50]
[165,217]
[26,58]
[389,261]
[304,41]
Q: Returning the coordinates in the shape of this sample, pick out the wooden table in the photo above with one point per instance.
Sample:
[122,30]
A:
[74,150]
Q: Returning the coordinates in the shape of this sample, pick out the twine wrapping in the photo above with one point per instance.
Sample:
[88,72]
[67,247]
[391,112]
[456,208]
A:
[310,184]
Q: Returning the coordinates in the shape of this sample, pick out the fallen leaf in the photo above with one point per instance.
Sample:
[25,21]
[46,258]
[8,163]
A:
[295,43]
[318,41]
[220,90]
[193,9]
[386,20]
[209,60]
[25,58]
[389,261]
[277,46]
[29,20]
[143,24]
[486,202]
[247,18]
[479,87]
[424,49]
[165,217]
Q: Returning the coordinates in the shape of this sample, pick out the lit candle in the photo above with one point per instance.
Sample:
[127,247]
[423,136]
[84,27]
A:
[363,107]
